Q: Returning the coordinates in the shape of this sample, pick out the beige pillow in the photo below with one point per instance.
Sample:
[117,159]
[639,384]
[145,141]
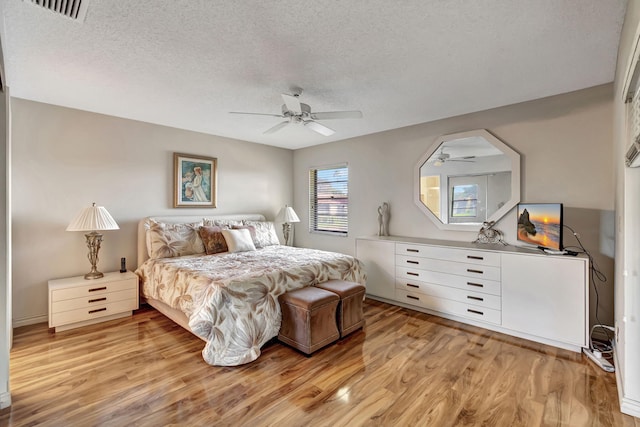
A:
[212,239]
[264,234]
[238,240]
[172,240]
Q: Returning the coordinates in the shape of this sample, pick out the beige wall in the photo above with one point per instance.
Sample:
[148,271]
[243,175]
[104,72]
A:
[627,268]
[64,159]
[566,147]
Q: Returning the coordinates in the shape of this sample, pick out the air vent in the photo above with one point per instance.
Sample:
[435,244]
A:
[74,9]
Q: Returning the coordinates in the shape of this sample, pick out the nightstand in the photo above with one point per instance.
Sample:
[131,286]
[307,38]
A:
[75,301]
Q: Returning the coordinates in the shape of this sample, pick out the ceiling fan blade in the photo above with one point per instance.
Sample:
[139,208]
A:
[329,115]
[276,128]
[320,128]
[292,103]
[257,114]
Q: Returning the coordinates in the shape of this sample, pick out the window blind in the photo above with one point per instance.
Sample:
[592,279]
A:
[329,199]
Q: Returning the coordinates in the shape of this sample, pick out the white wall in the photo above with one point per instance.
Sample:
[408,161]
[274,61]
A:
[65,159]
[566,147]
[627,268]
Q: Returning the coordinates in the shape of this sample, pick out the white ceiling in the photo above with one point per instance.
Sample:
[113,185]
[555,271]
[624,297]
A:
[186,64]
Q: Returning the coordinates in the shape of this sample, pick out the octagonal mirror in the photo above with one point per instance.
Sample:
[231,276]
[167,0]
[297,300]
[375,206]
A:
[467,178]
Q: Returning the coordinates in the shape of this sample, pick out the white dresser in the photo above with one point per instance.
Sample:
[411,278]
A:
[507,289]
[75,302]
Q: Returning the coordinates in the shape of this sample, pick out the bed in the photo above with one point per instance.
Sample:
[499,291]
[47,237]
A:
[229,298]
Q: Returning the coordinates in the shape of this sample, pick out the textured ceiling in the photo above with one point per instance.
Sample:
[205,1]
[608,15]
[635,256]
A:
[186,64]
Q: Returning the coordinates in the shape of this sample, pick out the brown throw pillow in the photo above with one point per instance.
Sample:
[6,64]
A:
[213,239]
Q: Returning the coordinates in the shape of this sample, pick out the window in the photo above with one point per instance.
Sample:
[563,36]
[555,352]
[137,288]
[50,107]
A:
[464,201]
[329,200]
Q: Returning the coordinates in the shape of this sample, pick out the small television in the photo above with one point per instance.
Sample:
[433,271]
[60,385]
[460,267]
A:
[540,224]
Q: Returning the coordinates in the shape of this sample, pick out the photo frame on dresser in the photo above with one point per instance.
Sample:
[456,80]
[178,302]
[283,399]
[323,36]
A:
[194,181]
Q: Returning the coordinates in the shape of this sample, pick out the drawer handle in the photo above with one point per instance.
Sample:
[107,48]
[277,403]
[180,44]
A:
[475,312]
[413,250]
[479,285]
[412,274]
[412,297]
[471,270]
[475,257]
[103,288]
[98,299]
[97,310]
[412,262]
[411,285]
[475,298]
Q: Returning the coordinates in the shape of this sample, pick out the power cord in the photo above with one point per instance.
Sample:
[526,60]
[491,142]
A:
[595,274]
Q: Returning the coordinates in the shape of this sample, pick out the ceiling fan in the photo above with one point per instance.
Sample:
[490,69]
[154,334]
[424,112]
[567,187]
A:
[294,111]
[442,157]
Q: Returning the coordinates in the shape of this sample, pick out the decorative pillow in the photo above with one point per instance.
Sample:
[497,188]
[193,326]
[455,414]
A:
[238,240]
[252,231]
[171,240]
[265,233]
[222,223]
[212,239]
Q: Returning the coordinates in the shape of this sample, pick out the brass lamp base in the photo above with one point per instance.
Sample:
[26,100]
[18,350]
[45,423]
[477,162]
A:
[92,275]
[93,243]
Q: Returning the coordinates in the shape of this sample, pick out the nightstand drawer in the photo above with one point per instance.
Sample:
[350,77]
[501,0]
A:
[91,290]
[89,313]
[93,300]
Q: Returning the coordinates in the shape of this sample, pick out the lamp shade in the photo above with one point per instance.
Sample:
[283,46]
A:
[93,218]
[287,214]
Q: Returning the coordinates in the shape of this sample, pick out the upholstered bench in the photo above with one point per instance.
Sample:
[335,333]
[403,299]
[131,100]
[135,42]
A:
[308,318]
[349,316]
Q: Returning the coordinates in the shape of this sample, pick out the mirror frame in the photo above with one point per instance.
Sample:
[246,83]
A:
[513,156]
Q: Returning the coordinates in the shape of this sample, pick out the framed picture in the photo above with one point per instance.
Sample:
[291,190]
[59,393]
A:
[194,179]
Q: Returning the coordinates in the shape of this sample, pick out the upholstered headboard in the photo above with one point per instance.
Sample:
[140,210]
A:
[142,229]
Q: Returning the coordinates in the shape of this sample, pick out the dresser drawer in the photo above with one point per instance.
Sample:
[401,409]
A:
[93,300]
[468,297]
[91,290]
[88,313]
[467,270]
[469,256]
[447,306]
[484,286]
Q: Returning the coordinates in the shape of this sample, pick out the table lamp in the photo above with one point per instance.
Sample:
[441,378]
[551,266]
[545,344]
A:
[287,216]
[93,219]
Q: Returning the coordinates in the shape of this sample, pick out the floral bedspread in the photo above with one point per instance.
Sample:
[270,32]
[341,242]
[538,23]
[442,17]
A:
[231,299]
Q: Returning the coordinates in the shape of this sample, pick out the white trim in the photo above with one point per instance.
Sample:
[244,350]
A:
[627,406]
[44,318]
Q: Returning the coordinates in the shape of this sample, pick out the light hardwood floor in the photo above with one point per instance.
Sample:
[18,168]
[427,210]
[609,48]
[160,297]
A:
[406,368]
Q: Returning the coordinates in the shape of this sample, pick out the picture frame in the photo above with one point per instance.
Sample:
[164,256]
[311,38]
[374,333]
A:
[194,181]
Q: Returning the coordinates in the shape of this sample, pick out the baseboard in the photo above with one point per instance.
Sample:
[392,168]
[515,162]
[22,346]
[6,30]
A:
[30,320]
[627,406]
[5,400]
[630,407]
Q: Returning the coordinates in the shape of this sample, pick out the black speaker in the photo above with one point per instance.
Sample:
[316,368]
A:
[123,265]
